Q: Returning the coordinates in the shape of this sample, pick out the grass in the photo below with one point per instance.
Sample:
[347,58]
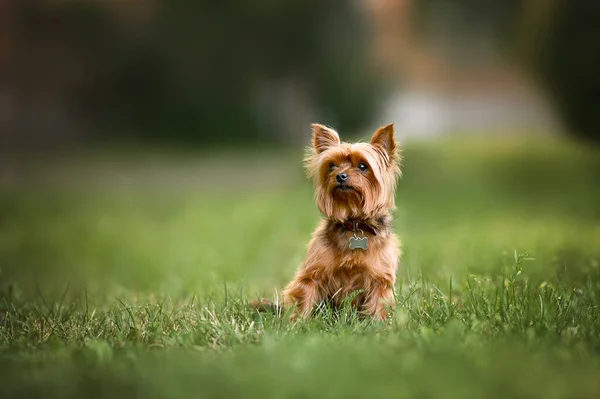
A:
[129,276]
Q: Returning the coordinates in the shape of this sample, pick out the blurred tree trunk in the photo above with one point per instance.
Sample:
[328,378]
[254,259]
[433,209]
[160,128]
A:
[535,20]
[568,59]
[6,56]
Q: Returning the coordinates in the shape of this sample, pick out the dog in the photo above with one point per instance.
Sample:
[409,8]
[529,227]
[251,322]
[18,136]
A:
[353,251]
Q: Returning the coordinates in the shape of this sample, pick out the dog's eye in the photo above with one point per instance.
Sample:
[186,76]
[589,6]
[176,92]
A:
[362,166]
[332,166]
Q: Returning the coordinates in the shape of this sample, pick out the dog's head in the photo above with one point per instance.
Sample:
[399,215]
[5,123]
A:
[353,180]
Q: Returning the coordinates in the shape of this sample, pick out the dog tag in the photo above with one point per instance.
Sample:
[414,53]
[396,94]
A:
[359,242]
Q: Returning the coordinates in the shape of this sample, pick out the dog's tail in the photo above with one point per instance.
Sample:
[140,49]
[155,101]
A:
[266,306]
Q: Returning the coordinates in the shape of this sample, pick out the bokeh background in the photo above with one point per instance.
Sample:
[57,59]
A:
[158,144]
[151,183]
[181,72]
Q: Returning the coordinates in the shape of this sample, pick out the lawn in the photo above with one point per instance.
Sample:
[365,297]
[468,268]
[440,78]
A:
[127,274]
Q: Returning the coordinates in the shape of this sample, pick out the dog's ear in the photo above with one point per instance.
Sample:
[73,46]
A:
[384,139]
[324,138]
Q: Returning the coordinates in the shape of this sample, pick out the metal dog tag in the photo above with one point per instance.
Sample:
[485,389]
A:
[359,243]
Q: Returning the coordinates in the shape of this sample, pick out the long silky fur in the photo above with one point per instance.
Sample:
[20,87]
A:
[331,270]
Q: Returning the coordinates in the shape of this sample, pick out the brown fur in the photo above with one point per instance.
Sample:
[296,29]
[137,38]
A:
[331,270]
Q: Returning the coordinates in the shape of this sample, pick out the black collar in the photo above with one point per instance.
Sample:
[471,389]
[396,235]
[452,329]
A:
[355,225]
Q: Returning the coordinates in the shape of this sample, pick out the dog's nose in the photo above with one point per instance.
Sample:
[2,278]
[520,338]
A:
[342,177]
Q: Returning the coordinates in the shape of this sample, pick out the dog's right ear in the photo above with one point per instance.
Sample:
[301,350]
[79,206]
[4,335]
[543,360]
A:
[324,138]
[384,139]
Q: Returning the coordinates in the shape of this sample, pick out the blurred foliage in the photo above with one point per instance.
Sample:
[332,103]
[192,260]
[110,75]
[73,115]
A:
[468,20]
[569,63]
[192,70]
[257,70]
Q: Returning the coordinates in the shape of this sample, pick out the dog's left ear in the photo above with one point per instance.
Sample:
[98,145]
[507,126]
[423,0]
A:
[384,139]
[324,138]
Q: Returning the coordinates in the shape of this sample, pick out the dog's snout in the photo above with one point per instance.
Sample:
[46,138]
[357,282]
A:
[341,177]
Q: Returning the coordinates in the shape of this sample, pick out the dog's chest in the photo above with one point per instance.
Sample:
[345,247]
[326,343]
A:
[359,269]
[348,279]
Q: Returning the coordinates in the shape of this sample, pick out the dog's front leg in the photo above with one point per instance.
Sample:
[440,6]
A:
[301,295]
[379,301]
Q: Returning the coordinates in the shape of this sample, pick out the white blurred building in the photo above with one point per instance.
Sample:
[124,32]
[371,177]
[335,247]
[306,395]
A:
[451,83]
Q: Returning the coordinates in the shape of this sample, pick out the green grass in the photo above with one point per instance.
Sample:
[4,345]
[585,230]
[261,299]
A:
[129,276]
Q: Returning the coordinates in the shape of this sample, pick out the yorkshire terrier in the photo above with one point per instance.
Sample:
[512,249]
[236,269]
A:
[353,251]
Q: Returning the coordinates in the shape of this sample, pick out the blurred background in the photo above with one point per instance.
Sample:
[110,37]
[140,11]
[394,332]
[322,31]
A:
[158,143]
[77,71]
[151,182]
